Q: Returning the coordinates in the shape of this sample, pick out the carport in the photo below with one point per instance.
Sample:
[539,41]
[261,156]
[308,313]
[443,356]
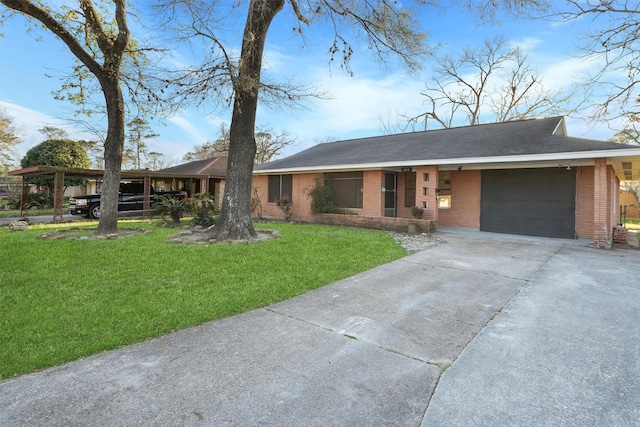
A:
[58,175]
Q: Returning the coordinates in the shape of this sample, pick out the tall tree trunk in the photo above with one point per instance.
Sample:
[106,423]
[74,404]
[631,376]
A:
[113,147]
[107,74]
[234,221]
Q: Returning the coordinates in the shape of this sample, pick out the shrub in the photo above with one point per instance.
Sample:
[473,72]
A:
[256,204]
[201,204]
[203,221]
[167,205]
[322,197]
[348,212]
[285,206]
[417,212]
[33,201]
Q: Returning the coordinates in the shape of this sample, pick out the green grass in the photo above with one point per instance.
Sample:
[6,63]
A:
[632,224]
[66,299]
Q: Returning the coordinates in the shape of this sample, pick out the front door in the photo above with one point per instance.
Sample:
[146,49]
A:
[390,194]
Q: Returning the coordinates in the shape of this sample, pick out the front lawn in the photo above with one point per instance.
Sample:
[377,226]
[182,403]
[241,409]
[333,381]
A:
[633,224]
[65,299]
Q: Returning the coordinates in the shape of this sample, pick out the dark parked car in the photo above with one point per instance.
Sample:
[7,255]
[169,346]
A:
[4,195]
[131,198]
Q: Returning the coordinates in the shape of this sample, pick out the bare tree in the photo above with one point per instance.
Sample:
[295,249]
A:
[613,45]
[100,43]
[94,147]
[218,147]
[135,148]
[52,132]
[494,82]
[630,134]
[631,187]
[390,31]
[269,145]
[9,138]
[156,161]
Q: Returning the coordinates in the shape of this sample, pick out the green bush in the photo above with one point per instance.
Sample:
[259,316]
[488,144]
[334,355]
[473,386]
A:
[285,206]
[168,206]
[322,197]
[203,221]
[33,201]
[418,213]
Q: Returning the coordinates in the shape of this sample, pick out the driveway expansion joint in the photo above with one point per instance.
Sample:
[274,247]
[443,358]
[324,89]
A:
[441,364]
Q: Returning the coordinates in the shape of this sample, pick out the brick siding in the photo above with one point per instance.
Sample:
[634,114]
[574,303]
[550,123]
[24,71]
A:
[597,197]
[584,202]
[606,200]
[465,201]
[400,225]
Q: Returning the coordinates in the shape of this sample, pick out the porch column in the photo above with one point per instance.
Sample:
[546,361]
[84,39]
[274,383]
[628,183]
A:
[602,227]
[426,184]
[372,197]
[58,196]
[146,198]
[24,195]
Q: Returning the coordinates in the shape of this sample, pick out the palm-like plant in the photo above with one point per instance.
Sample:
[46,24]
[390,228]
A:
[201,204]
[167,205]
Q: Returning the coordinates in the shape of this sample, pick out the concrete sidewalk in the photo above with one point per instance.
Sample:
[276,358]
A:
[484,329]
[48,219]
[40,219]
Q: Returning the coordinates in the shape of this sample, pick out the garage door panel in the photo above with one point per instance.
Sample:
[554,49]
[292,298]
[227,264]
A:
[536,202]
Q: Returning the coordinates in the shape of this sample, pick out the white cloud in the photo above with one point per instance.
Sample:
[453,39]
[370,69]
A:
[527,43]
[584,128]
[355,110]
[195,135]
[28,121]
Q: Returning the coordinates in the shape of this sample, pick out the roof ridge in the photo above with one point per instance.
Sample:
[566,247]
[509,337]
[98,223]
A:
[560,118]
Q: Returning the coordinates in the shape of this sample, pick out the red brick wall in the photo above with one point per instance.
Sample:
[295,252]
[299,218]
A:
[372,200]
[422,200]
[260,184]
[597,195]
[301,203]
[465,201]
[605,198]
[400,225]
[584,202]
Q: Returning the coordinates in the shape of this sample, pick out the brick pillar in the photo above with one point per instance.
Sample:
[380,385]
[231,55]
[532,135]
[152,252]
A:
[372,198]
[146,197]
[601,210]
[426,184]
[58,196]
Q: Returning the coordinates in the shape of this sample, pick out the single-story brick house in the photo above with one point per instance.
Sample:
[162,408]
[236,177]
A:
[523,177]
[211,174]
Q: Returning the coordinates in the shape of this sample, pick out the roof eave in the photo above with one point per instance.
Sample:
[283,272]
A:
[514,159]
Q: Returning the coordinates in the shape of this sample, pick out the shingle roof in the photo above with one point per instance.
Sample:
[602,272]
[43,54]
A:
[517,138]
[214,167]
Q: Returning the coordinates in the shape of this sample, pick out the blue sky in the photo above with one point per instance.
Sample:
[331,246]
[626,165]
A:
[357,104]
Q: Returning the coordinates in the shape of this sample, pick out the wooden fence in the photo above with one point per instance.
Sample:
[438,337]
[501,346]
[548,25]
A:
[632,212]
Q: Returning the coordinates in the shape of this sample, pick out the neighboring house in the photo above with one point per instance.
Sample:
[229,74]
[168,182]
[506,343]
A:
[522,177]
[212,173]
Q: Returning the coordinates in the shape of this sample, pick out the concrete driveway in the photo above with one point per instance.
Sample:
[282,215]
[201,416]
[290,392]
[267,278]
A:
[482,329]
